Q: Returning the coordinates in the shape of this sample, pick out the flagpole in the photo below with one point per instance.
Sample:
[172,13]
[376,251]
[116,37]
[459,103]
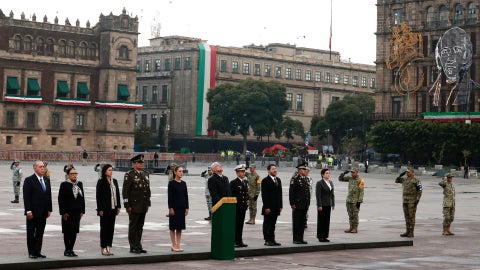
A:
[330,40]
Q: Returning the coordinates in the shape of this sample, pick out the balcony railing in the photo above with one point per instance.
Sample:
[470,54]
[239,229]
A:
[396,116]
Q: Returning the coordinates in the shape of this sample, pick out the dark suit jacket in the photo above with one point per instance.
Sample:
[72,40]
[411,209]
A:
[219,187]
[34,198]
[272,195]
[325,196]
[104,196]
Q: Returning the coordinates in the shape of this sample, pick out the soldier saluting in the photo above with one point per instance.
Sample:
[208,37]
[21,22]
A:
[354,197]
[136,199]
[16,179]
[412,191]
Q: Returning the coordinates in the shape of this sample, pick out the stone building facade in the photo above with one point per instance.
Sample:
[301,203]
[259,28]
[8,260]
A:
[430,19]
[65,87]
[175,73]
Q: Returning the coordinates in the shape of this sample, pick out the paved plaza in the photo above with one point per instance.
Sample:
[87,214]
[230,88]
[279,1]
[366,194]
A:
[381,220]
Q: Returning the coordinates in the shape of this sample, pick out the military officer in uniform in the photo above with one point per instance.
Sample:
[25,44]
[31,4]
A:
[299,196]
[412,191]
[254,182]
[136,198]
[16,179]
[239,189]
[354,197]
[448,203]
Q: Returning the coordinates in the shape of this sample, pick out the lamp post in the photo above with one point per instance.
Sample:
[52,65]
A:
[327,131]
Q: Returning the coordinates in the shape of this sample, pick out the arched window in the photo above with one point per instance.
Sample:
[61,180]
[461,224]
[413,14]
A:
[472,14]
[82,50]
[459,15]
[62,48]
[92,51]
[27,44]
[430,17]
[49,46]
[443,16]
[40,46]
[17,43]
[123,52]
[71,49]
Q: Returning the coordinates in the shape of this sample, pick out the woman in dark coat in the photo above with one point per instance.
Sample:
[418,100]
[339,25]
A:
[71,203]
[108,207]
[178,207]
[325,194]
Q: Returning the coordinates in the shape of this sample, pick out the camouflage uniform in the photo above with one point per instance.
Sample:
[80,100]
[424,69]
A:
[136,195]
[412,191]
[354,198]
[253,192]
[448,204]
[16,179]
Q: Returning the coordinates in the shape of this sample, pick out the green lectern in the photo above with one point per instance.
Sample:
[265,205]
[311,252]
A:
[223,229]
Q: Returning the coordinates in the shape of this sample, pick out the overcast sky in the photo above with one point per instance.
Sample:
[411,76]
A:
[305,23]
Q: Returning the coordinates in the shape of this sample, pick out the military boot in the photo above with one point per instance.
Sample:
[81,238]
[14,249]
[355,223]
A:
[349,230]
[354,229]
[448,231]
[250,221]
[16,200]
[445,232]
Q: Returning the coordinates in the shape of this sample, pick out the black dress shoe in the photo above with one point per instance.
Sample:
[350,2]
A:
[304,242]
[135,251]
[323,240]
[270,244]
[275,243]
[40,255]
[31,256]
[142,250]
[66,253]
[242,245]
[73,254]
[208,218]
[297,242]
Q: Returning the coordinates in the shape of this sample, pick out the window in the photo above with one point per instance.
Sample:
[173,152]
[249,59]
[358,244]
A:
[298,74]
[62,89]
[308,75]
[17,43]
[223,66]
[288,73]
[62,48]
[168,64]
[355,81]
[82,90]
[430,17]
[70,49]
[54,140]
[154,94]
[396,101]
[82,50]
[256,70]
[27,44]
[80,120]
[29,140]
[334,98]
[92,51]
[290,100]
[372,82]
[122,92]
[268,71]
[79,141]
[158,64]
[139,65]
[31,120]
[299,102]
[327,77]
[188,63]
[246,68]
[10,119]
[8,140]
[278,72]
[143,121]
[472,13]
[397,16]
[178,63]
[346,79]
[123,52]
[434,73]
[40,46]
[56,122]
[145,94]
[234,67]
[337,78]
[443,16]
[164,94]
[147,65]
[364,81]
[318,76]
[153,122]
[12,86]
[434,43]
[458,14]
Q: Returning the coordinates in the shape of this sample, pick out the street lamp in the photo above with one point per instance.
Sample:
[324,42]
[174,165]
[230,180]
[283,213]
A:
[327,131]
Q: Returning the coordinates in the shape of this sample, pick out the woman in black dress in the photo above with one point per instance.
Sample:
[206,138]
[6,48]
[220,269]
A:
[325,204]
[108,207]
[71,203]
[178,207]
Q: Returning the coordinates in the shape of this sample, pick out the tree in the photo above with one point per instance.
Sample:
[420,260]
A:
[290,127]
[143,137]
[251,104]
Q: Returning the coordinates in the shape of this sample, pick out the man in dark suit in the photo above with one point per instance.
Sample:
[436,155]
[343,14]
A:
[37,199]
[272,204]
[218,184]
[239,189]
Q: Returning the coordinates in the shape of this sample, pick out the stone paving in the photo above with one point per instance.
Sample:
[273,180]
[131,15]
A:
[381,218]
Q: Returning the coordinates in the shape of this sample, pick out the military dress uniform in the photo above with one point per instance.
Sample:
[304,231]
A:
[254,182]
[354,198]
[412,191]
[136,196]
[448,203]
[17,175]
[239,190]
[299,197]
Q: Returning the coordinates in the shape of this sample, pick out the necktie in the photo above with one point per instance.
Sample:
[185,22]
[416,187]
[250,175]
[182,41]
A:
[43,184]
[275,180]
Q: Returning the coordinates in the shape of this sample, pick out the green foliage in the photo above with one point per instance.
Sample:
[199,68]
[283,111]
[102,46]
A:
[142,137]
[290,127]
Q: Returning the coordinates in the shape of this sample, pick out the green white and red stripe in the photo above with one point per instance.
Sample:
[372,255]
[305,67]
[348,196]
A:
[71,101]
[451,116]
[23,99]
[117,104]
[206,80]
